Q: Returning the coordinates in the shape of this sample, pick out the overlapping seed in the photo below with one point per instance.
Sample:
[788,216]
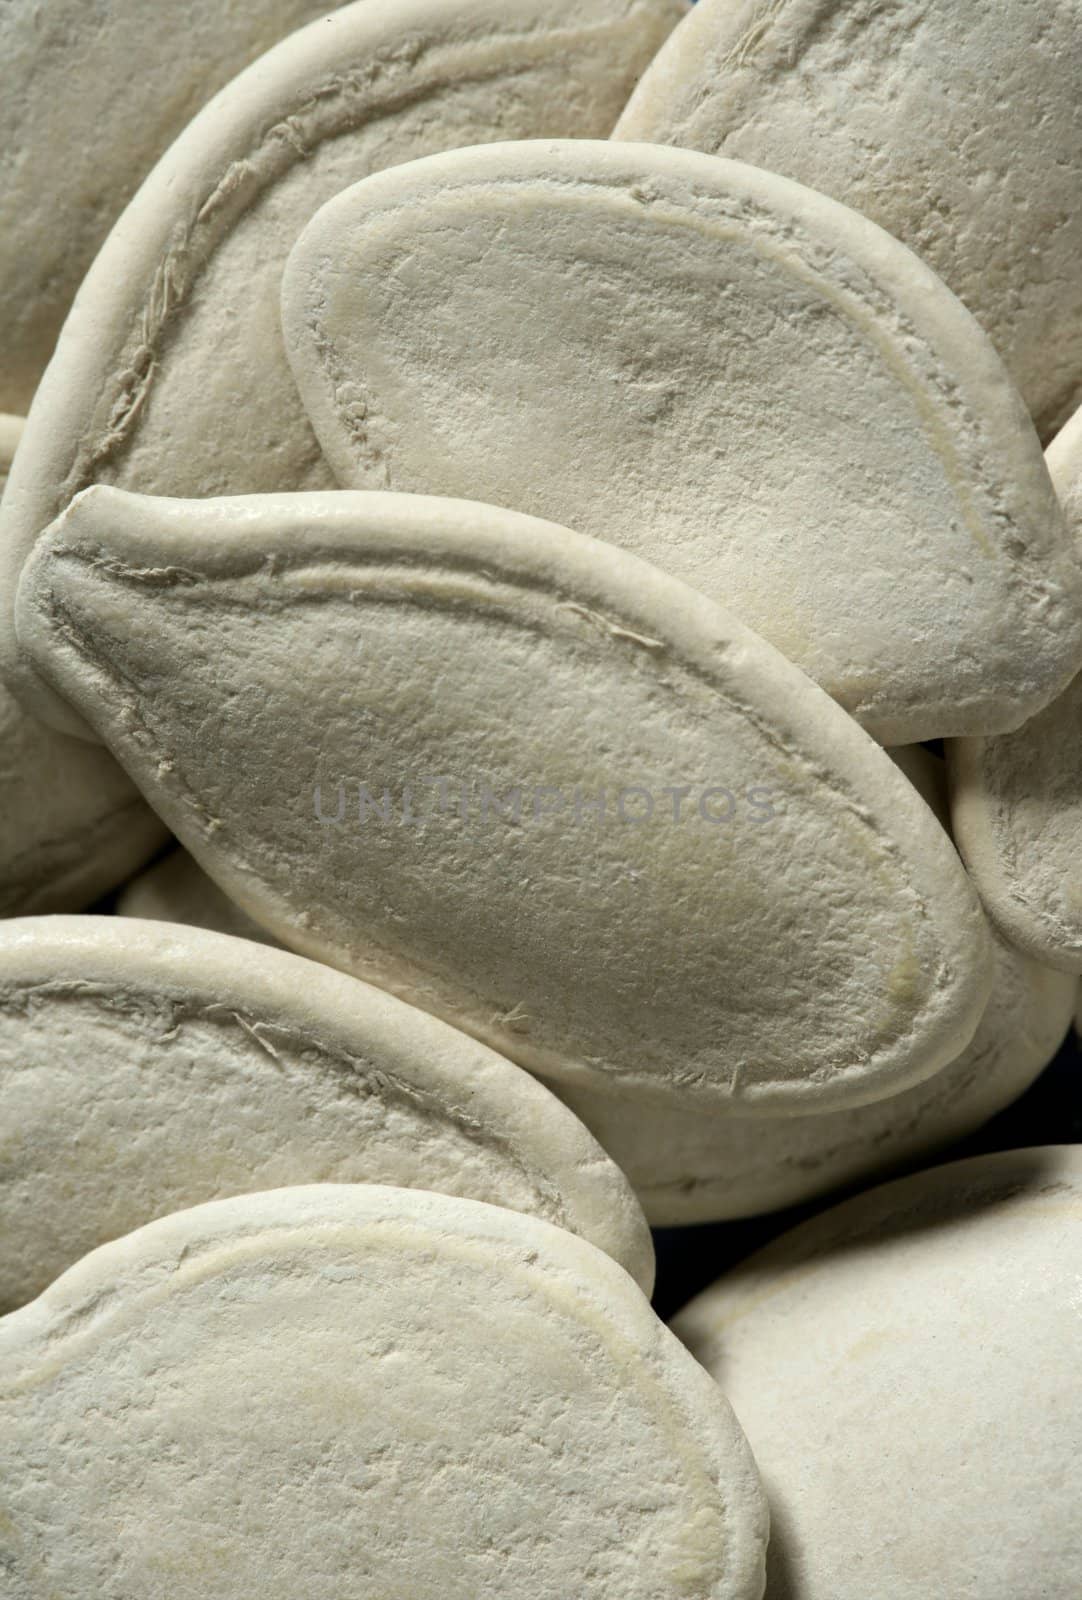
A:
[170,377]
[887,108]
[752,387]
[145,1068]
[464,795]
[400,1392]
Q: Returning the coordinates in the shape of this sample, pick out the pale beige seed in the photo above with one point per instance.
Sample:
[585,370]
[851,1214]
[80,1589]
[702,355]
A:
[1016,798]
[524,780]
[72,823]
[146,1067]
[72,826]
[90,96]
[744,382]
[906,1369]
[691,1167]
[365,1392]
[955,127]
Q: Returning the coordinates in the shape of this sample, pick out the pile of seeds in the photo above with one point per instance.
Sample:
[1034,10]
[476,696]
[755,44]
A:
[540,581]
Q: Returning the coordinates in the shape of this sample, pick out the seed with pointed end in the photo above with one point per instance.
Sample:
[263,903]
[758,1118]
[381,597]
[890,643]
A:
[524,780]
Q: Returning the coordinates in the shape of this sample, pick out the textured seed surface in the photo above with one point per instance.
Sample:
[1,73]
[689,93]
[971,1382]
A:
[171,377]
[72,825]
[367,1392]
[1015,798]
[745,383]
[292,678]
[146,1068]
[956,128]
[689,1167]
[906,1366]
[90,96]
